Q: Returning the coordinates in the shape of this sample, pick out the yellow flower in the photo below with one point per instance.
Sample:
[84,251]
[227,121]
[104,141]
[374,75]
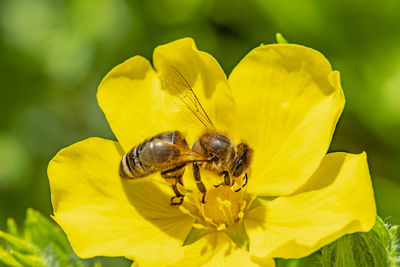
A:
[283,100]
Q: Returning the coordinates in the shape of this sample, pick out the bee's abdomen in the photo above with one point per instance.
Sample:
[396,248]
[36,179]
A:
[152,155]
[131,167]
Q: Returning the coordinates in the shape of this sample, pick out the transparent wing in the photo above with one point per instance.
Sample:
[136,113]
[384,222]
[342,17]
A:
[185,154]
[174,81]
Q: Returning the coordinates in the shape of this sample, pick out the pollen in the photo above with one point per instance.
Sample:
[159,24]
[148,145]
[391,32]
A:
[220,210]
[223,205]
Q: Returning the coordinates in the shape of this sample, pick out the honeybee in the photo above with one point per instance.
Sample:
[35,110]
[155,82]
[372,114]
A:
[168,152]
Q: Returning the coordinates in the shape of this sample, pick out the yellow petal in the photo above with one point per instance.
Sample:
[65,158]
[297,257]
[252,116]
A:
[288,100]
[218,250]
[204,75]
[337,200]
[105,215]
[137,107]
[132,101]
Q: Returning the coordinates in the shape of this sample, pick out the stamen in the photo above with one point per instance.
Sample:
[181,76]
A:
[220,203]
[221,207]
[199,226]
[241,215]
[231,218]
[244,203]
[208,219]
[187,212]
[227,203]
[221,227]
[242,209]
[221,210]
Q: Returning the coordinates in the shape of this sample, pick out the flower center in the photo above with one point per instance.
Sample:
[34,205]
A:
[222,205]
[222,208]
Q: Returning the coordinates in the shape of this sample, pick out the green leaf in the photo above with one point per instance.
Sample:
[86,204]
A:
[288,263]
[378,247]
[19,244]
[12,227]
[7,259]
[394,251]
[310,261]
[280,39]
[42,243]
[28,260]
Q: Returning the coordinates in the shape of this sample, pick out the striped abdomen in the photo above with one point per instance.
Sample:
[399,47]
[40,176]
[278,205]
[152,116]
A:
[158,153]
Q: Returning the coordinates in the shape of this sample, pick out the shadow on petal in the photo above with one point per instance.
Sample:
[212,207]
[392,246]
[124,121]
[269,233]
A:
[292,60]
[337,200]
[258,216]
[200,69]
[153,204]
[318,181]
[151,199]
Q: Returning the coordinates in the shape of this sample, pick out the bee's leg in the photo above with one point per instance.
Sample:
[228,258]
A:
[173,177]
[227,179]
[245,180]
[245,183]
[197,178]
[178,199]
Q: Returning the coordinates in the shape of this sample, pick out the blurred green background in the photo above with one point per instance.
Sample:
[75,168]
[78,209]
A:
[54,53]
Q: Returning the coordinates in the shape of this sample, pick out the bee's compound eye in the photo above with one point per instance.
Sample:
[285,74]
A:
[242,160]
[238,167]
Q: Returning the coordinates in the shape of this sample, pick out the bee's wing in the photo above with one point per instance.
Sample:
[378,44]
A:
[186,154]
[173,80]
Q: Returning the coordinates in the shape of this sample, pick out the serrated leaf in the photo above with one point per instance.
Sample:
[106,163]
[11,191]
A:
[280,39]
[50,239]
[309,261]
[394,253]
[287,263]
[42,244]
[377,247]
[19,244]
[12,226]
[41,231]
[28,260]
[7,259]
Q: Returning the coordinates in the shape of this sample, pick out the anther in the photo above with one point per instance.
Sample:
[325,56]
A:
[221,227]
[244,203]
[241,215]
[227,203]
[185,211]
[199,226]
